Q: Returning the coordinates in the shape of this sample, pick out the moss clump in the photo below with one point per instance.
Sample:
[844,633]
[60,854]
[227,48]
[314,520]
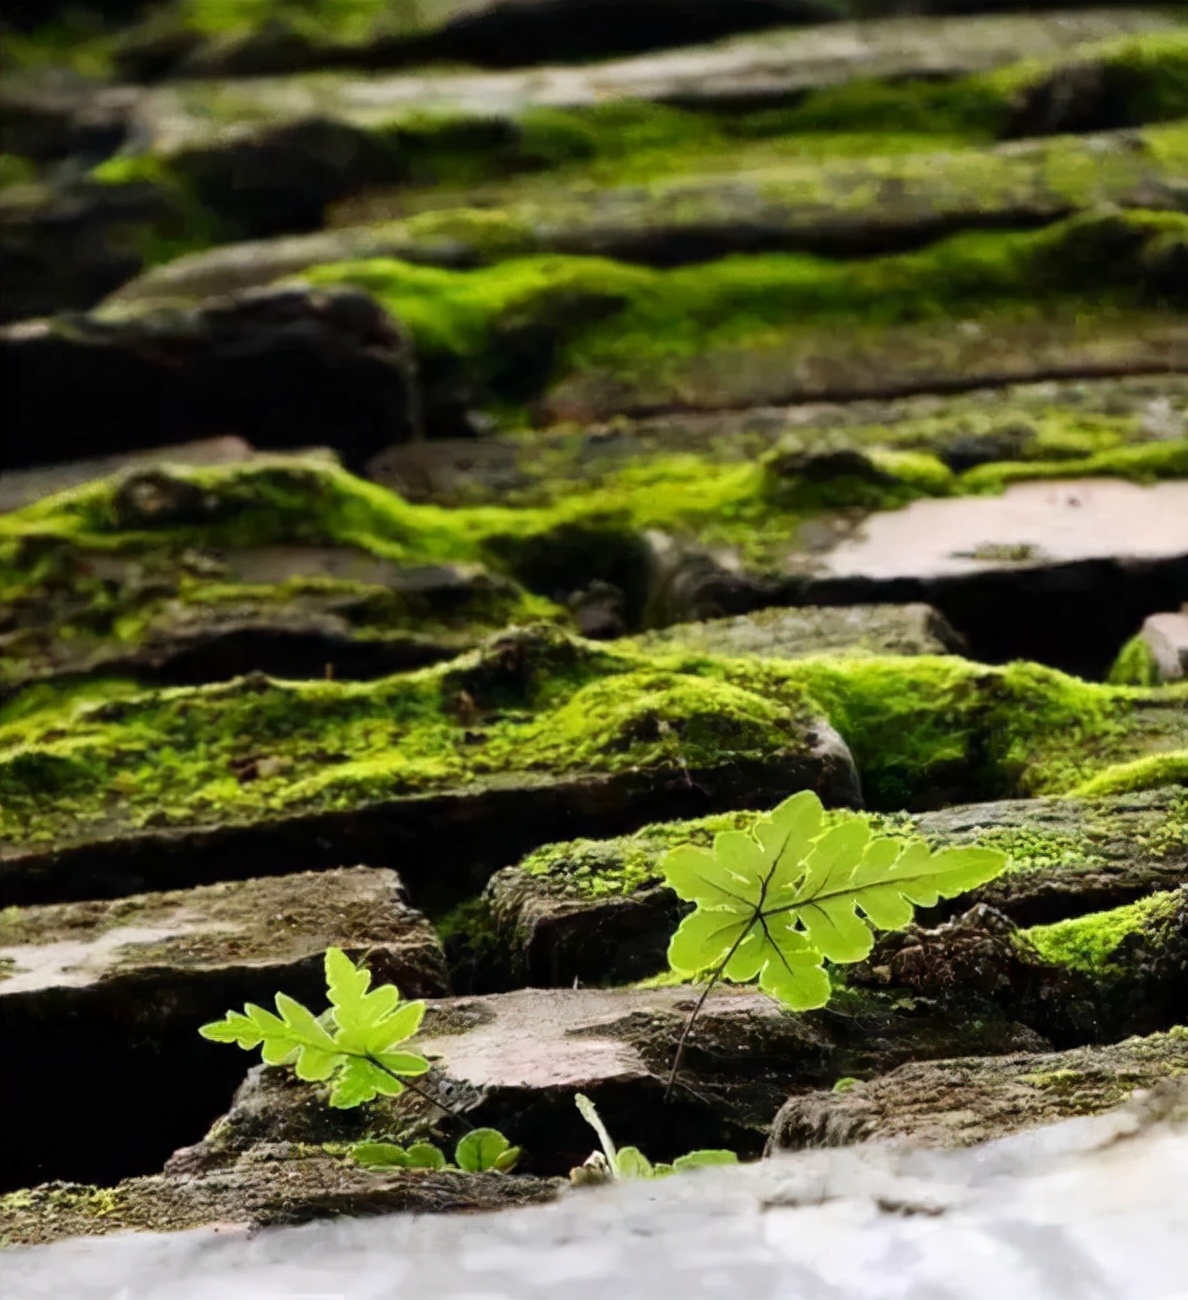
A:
[94,576]
[348,21]
[285,501]
[1147,773]
[628,323]
[540,702]
[633,142]
[1136,665]
[1089,943]
[1140,464]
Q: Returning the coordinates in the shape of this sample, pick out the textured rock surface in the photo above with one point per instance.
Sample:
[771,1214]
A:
[127,983]
[516,1060]
[1066,1201]
[962,1102]
[806,409]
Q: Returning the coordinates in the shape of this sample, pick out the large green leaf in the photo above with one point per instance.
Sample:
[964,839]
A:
[776,904]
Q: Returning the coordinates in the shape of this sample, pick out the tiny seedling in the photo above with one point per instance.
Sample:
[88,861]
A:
[612,1163]
[776,903]
[482,1150]
[357,1045]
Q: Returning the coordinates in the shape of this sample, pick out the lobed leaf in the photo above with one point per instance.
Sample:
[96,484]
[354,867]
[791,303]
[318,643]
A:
[776,904]
[356,1044]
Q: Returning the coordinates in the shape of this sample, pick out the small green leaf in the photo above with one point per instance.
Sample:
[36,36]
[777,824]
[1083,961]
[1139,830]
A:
[379,1155]
[355,1044]
[632,1163]
[480,1150]
[508,1160]
[424,1155]
[703,1159]
[590,1114]
[776,904]
[234,1028]
[359,1080]
[704,938]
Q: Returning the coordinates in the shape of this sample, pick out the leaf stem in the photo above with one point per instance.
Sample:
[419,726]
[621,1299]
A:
[425,1096]
[688,1029]
[756,915]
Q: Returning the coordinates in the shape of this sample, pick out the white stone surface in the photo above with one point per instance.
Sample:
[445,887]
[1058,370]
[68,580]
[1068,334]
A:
[1093,1209]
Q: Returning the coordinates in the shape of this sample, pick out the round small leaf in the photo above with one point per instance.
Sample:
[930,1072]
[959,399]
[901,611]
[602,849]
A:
[379,1155]
[424,1155]
[480,1150]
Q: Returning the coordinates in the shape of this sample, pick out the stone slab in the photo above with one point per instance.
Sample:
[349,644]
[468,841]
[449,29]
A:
[965,1101]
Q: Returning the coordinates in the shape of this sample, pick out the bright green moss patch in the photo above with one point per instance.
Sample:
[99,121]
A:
[541,703]
[1140,464]
[284,502]
[1136,664]
[1087,943]
[1142,773]
[97,573]
[347,21]
[633,324]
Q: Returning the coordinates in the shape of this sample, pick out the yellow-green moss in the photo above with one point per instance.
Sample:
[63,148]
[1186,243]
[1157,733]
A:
[543,702]
[624,321]
[1140,464]
[1087,943]
[1147,773]
[1136,664]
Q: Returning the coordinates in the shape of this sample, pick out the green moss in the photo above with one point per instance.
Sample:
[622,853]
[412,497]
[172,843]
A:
[1136,665]
[629,322]
[943,725]
[15,170]
[1087,943]
[286,501]
[346,21]
[1140,464]
[539,702]
[632,142]
[1147,773]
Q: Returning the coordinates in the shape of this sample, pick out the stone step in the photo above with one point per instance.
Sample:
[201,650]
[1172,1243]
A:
[123,986]
[598,910]
[965,1101]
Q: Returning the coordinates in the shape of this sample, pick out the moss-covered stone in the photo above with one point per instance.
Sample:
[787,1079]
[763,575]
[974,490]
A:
[1068,422]
[541,702]
[748,330]
[1159,653]
[806,631]
[598,910]
[880,204]
[282,1185]
[291,567]
[1127,944]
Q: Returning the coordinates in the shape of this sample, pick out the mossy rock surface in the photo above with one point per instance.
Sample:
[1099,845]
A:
[530,713]
[964,1101]
[800,633]
[128,982]
[598,910]
[290,567]
[1136,958]
[996,431]
[882,204]
[515,1061]
[273,1187]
